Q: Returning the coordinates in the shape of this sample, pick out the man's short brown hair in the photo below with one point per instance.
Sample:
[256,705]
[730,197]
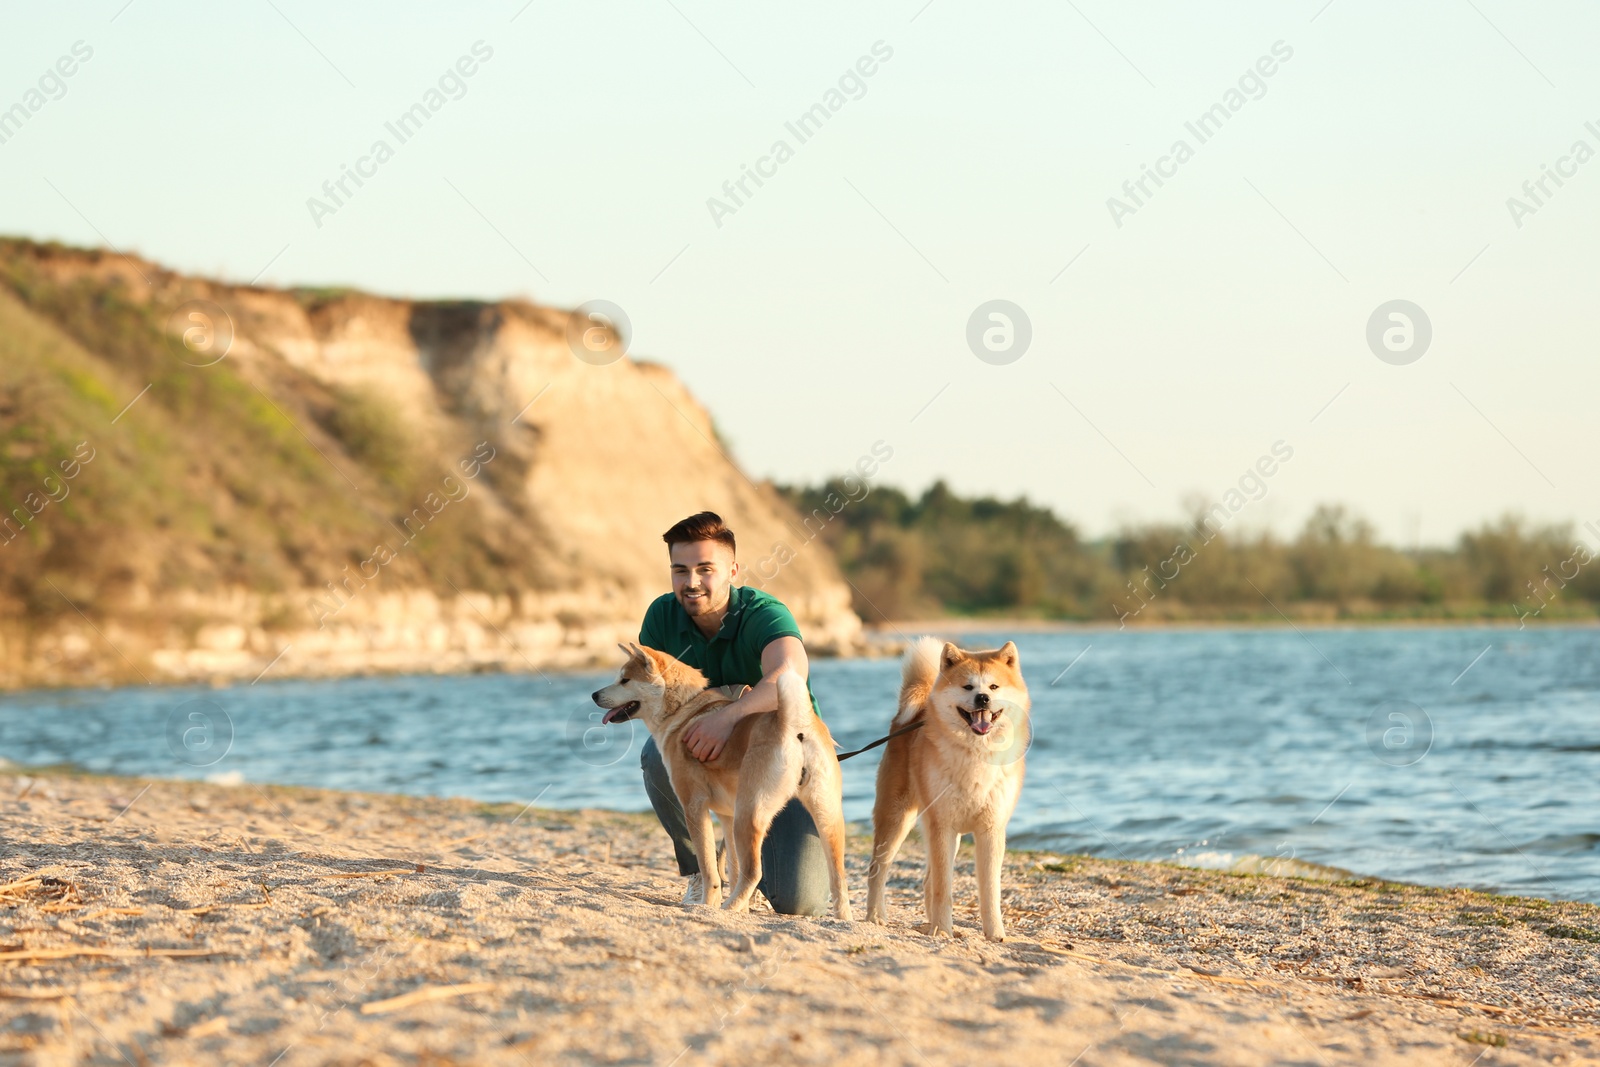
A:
[705,526]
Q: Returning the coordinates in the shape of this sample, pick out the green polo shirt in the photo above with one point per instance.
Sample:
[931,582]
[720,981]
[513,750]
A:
[754,620]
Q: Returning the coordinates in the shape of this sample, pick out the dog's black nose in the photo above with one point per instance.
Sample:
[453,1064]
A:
[981,700]
[595,696]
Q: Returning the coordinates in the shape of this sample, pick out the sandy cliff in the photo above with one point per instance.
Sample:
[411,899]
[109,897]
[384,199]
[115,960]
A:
[371,484]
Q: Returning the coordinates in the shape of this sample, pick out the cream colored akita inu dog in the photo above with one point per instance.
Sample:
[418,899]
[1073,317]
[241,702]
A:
[961,772]
[768,761]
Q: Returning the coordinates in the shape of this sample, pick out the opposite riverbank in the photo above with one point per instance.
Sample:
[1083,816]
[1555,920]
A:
[182,922]
[468,643]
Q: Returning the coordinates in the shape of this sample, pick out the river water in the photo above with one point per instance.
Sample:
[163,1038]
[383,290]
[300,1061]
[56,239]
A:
[1443,756]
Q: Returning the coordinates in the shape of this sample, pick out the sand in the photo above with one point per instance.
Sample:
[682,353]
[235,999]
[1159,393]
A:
[175,922]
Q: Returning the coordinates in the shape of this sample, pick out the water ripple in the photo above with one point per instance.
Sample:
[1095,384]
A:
[1239,746]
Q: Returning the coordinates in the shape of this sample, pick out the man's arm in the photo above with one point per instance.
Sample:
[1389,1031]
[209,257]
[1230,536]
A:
[707,735]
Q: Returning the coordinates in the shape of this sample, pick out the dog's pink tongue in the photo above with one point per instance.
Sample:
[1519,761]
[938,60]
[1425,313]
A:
[606,718]
[981,726]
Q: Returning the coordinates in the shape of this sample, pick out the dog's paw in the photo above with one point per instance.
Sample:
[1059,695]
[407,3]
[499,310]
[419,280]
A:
[933,930]
[1001,936]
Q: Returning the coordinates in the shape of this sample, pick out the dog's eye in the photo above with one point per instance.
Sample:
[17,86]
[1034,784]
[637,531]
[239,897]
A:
[967,687]
[994,687]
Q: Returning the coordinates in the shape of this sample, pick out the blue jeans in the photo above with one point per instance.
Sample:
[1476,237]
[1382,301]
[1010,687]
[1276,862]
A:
[794,865]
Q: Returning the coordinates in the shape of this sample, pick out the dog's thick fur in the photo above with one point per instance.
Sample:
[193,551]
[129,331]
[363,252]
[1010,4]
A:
[961,773]
[769,760]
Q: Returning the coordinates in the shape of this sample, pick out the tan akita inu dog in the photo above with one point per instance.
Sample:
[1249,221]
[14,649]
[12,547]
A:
[961,772]
[768,761]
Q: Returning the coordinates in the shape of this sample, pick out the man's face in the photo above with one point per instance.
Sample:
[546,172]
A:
[702,574]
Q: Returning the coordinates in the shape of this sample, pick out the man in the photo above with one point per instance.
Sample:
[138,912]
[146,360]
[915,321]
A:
[739,637]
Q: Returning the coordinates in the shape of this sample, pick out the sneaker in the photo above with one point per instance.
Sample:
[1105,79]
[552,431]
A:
[695,891]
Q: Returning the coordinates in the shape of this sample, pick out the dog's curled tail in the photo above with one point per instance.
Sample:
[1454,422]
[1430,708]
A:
[918,671]
[794,703]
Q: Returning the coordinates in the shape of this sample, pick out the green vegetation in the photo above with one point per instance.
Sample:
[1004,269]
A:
[942,554]
[1483,917]
[1064,867]
[372,433]
[244,474]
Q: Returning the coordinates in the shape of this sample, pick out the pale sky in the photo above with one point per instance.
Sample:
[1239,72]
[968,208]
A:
[830,309]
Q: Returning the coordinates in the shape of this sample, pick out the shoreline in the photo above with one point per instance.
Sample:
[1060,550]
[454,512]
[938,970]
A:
[877,641]
[1243,865]
[189,922]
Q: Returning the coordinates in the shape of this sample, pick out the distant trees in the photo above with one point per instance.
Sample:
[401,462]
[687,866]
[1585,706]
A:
[941,553]
[944,553]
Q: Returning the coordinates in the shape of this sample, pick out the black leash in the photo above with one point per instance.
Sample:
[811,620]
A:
[882,740]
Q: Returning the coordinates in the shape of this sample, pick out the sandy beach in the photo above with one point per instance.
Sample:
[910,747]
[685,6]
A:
[177,922]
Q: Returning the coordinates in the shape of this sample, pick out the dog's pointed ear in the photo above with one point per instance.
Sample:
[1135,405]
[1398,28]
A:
[950,656]
[652,661]
[1008,653]
[636,654]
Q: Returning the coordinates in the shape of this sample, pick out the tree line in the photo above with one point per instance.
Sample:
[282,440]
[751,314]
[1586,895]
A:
[943,554]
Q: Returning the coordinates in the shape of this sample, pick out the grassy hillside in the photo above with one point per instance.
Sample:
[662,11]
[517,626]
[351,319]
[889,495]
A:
[225,476]
[941,554]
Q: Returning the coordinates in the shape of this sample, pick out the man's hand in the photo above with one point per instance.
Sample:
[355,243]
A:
[708,734]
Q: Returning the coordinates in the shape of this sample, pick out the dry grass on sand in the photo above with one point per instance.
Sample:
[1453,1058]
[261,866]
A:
[188,923]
